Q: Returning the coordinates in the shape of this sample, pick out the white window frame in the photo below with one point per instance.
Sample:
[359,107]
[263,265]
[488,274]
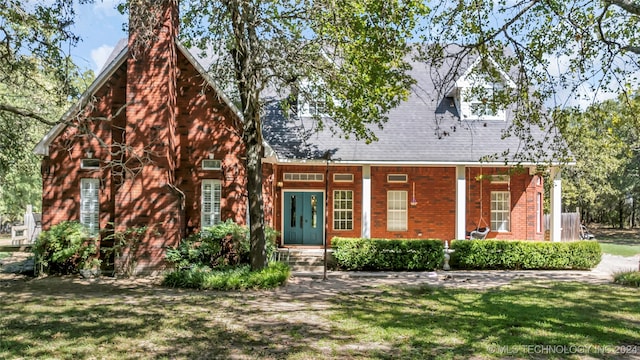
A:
[306,177]
[90,205]
[88,164]
[210,199]
[343,177]
[397,210]
[397,178]
[500,179]
[469,100]
[343,209]
[211,164]
[501,211]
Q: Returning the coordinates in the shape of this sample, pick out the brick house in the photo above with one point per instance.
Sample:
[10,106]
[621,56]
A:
[154,142]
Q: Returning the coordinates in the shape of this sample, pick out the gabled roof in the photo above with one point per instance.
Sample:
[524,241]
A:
[424,130]
[118,56]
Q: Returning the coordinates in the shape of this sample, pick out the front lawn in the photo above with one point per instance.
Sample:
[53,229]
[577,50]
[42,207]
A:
[619,249]
[64,319]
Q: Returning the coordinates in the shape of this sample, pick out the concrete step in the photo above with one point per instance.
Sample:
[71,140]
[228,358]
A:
[307,268]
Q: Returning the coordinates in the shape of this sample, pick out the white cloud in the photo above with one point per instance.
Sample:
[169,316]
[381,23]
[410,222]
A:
[100,56]
[106,7]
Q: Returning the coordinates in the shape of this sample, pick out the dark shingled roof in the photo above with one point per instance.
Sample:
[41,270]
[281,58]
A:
[425,129]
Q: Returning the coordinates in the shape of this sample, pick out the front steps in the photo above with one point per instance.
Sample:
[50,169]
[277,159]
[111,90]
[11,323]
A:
[304,260]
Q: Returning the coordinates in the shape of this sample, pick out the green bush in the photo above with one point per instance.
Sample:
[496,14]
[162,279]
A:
[516,255]
[204,248]
[66,249]
[628,278]
[239,278]
[394,255]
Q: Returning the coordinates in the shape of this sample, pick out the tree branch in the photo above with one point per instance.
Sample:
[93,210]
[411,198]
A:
[26,113]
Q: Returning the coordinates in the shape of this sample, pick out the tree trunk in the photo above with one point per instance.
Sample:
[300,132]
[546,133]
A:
[621,214]
[257,254]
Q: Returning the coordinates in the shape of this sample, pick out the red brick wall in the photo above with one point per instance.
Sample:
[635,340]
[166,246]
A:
[523,189]
[172,121]
[207,126]
[61,170]
[433,217]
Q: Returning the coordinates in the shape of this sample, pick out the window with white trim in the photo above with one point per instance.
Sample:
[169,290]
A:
[500,211]
[90,164]
[303,177]
[90,205]
[211,164]
[210,204]
[343,210]
[396,210]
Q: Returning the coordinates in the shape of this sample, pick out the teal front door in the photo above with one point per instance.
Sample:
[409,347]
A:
[303,218]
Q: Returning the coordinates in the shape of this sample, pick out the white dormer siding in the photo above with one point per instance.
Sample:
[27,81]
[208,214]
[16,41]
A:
[312,99]
[480,102]
[480,96]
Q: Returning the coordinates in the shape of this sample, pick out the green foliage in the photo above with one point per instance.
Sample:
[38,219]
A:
[240,278]
[205,248]
[121,242]
[628,278]
[603,140]
[394,255]
[66,248]
[524,255]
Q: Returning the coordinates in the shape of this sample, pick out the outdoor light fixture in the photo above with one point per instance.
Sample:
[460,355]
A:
[414,202]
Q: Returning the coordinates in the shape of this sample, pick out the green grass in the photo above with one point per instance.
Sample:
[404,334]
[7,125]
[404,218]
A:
[619,249]
[47,318]
[629,278]
[4,255]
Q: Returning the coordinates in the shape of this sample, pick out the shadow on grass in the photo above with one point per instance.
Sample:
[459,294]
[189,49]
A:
[509,321]
[63,318]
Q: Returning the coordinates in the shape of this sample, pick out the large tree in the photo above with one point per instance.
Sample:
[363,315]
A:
[583,47]
[37,80]
[350,53]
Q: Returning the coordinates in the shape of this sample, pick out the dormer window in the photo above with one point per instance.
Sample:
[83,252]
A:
[312,99]
[483,103]
[482,94]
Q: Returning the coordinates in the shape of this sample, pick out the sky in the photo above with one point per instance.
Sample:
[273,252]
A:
[99,27]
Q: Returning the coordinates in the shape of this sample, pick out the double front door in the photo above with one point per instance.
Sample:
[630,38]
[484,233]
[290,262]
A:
[303,218]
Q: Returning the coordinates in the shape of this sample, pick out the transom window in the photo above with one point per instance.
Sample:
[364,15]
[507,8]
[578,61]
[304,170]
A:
[90,205]
[396,210]
[343,210]
[397,178]
[210,209]
[343,177]
[500,211]
[303,177]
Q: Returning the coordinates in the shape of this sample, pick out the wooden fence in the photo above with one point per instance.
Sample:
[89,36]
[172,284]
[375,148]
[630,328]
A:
[570,225]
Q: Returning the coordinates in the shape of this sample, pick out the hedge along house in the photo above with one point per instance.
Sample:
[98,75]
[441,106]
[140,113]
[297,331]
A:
[153,142]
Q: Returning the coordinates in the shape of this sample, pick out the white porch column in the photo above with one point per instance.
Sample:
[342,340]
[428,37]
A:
[555,231]
[366,201]
[461,202]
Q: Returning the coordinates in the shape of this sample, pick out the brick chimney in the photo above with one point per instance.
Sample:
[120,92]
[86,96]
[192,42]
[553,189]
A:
[147,199]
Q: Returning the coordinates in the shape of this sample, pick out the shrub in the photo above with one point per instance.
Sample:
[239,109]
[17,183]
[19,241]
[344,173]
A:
[205,248]
[515,255]
[394,255]
[239,278]
[628,278]
[66,249]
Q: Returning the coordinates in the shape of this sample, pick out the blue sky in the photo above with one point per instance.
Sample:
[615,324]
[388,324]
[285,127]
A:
[99,26]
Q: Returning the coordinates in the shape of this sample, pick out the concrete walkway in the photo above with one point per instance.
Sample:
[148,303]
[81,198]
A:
[479,279]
